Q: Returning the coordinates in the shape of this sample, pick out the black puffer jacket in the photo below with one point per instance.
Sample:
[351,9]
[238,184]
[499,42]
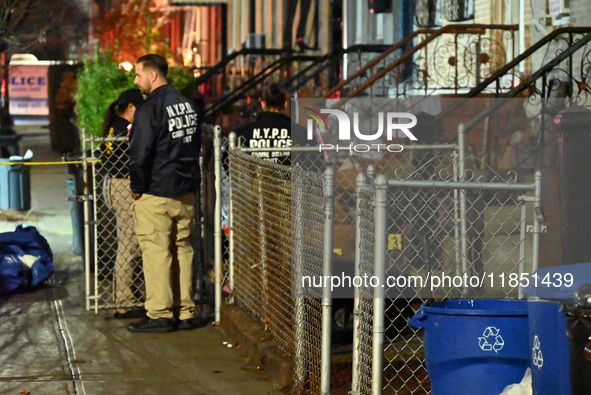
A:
[165,145]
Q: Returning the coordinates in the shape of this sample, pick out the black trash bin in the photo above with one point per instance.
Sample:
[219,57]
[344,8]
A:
[559,310]
[9,141]
[574,165]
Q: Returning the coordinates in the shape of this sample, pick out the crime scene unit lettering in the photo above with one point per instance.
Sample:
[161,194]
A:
[182,121]
[270,138]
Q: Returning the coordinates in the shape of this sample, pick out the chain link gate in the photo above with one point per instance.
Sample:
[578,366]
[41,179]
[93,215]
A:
[113,259]
[113,277]
[433,229]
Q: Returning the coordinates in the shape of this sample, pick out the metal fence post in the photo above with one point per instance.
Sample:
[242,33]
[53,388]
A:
[463,203]
[537,229]
[217,233]
[90,217]
[86,216]
[380,215]
[360,182]
[457,215]
[522,236]
[371,172]
[325,359]
[231,144]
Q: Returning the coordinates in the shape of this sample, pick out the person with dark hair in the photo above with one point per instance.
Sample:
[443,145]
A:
[164,172]
[271,129]
[119,114]
[117,121]
[152,63]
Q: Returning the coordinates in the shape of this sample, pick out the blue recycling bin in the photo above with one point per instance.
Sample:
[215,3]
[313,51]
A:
[474,346]
[559,304]
[15,185]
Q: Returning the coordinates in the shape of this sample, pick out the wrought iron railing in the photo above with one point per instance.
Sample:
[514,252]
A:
[452,59]
[311,73]
[251,83]
[228,84]
[333,67]
[564,78]
[231,72]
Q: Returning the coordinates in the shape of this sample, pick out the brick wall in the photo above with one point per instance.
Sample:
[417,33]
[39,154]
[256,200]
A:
[482,11]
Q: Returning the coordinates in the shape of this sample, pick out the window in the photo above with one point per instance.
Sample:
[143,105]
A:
[426,13]
[458,10]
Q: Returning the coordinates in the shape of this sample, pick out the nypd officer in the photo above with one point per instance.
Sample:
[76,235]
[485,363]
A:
[271,129]
[164,172]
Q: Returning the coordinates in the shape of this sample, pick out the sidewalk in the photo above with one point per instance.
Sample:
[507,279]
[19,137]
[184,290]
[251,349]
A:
[51,345]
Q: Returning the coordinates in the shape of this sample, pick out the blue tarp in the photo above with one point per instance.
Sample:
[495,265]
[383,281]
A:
[26,260]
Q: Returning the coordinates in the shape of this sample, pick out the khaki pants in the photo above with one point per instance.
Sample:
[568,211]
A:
[128,249]
[164,229]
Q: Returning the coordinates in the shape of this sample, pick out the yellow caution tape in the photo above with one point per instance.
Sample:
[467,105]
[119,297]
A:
[47,163]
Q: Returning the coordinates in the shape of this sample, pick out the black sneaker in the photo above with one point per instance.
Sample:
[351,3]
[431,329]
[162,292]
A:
[135,312]
[152,325]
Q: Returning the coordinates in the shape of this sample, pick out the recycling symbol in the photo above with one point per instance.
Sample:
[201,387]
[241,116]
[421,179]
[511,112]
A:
[537,357]
[491,340]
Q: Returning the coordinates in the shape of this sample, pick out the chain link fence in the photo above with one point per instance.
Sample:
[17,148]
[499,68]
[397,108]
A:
[261,220]
[115,280]
[363,313]
[277,223]
[440,220]
[273,235]
[260,202]
[114,276]
[308,230]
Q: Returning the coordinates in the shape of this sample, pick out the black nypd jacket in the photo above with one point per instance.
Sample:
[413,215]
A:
[270,130]
[164,145]
[115,153]
[276,130]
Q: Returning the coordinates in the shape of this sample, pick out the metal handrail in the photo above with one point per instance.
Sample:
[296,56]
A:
[377,59]
[317,67]
[218,67]
[302,77]
[525,84]
[258,78]
[319,64]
